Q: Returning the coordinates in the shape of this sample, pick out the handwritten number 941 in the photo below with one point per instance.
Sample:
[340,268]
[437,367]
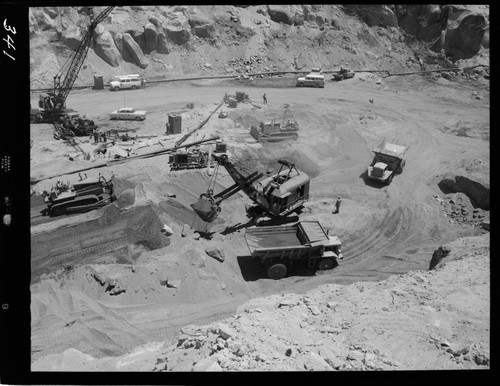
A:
[8,40]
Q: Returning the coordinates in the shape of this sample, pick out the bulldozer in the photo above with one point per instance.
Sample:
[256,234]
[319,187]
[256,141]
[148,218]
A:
[78,198]
[275,197]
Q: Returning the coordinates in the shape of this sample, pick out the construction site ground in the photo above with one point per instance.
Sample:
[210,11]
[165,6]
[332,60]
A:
[107,281]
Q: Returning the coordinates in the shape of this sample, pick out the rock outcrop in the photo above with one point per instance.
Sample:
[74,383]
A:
[130,45]
[105,48]
[150,38]
[477,192]
[201,26]
[374,15]
[71,37]
[177,28]
[281,14]
[422,21]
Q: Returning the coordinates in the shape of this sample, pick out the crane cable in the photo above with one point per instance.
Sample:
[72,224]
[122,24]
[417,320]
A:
[213,180]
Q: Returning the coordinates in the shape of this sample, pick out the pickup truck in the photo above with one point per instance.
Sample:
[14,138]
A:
[277,247]
[388,161]
[128,113]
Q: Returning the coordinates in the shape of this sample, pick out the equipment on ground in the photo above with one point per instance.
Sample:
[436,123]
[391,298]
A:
[275,197]
[52,106]
[174,124]
[278,247]
[344,73]
[192,158]
[388,161]
[275,131]
[78,198]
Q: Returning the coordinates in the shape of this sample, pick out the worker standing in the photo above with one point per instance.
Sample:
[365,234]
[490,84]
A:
[96,138]
[337,204]
[264,98]
[104,137]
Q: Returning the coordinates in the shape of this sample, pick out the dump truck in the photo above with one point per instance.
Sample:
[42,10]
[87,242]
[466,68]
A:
[78,198]
[278,247]
[387,162]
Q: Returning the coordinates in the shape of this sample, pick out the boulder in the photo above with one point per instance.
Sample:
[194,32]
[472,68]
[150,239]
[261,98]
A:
[216,253]
[438,255]
[314,362]
[368,37]
[478,193]
[280,14]
[105,48]
[225,331]
[204,31]
[162,46]
[177,28]
[373,15]
[207,364]
[43,20]
[422,21]
[150,37]
[465,40]
[130,45]
[71,37]
[485,42]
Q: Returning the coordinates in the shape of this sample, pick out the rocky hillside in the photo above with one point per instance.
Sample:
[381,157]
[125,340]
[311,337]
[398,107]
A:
[436,319]
[171,41]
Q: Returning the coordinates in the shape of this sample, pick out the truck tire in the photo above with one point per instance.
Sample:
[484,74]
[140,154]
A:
[326,263]
[138,118]
[277,271]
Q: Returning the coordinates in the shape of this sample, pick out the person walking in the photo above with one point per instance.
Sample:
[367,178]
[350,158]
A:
[264,98]
[337,204]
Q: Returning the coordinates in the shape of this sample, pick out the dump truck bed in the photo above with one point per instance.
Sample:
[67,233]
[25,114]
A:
[302,234]
[392,150]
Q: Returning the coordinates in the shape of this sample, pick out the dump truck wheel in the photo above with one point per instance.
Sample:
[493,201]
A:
[326,263]
[277,271]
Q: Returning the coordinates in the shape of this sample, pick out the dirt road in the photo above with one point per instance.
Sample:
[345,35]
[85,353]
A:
[385,230]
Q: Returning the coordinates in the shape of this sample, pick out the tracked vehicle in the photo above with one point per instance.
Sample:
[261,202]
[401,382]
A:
[275,198]
[78,198]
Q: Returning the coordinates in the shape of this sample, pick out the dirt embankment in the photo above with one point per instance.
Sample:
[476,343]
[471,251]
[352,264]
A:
[437,319]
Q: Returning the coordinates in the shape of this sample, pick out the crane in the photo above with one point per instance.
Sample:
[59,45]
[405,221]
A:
[275,196]
[54,103]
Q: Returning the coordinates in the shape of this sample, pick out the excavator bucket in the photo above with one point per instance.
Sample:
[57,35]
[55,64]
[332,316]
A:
[206,209]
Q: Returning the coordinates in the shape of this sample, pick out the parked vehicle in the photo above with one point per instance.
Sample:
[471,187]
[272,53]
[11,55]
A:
[128,113]
[311,80]
[277,247]
[344,73]
[125,82]
[388,161]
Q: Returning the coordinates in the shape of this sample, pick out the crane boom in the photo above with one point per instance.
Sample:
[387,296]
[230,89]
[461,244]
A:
[55,102]
[277,195]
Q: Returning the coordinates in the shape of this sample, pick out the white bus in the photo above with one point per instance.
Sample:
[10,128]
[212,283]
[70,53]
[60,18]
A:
[311,80]
[123,82]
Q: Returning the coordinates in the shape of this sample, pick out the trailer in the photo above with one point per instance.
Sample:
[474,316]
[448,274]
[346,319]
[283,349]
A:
[278,247]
